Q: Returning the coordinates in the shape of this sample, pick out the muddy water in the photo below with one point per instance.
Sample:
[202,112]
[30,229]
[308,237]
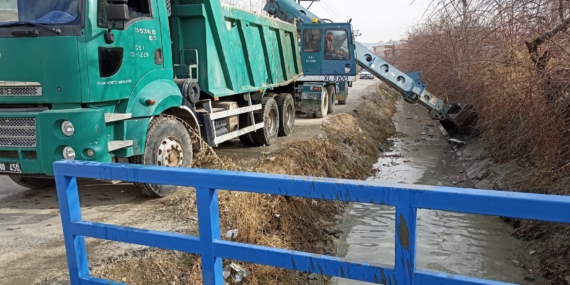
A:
[470,245]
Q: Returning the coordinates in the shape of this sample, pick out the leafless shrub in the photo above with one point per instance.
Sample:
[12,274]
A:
[510,60]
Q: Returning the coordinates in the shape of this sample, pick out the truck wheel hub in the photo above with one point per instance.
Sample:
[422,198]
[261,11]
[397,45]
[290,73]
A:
[170,153]
[289,115]
[271,122]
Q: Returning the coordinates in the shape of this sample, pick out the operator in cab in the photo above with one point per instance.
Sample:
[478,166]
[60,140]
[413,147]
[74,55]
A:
[329,48]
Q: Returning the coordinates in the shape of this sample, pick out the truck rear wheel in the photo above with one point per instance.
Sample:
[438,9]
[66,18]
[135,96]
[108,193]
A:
[324,104]
[286,113]
[168,143]
[33,182]
[270,117]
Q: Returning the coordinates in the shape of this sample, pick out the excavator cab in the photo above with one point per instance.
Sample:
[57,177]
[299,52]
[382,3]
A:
[327,51]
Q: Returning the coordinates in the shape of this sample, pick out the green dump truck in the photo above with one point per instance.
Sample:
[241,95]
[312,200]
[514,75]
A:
[144,82]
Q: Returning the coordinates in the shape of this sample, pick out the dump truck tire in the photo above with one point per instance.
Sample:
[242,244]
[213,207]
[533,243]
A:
[286,113]
[324,104]
[270,116]
[168,143]
[245,121]
[332,97]
[33,182]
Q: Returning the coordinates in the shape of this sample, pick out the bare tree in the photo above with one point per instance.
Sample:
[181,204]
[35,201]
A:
[508,58]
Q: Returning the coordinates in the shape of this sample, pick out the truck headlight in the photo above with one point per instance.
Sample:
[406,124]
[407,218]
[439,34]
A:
[68,153]
[67,128]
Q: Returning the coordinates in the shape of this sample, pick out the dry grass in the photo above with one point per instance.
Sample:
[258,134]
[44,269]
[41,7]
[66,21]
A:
[348,151]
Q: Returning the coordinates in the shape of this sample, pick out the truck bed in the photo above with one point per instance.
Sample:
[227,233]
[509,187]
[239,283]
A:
[242,51]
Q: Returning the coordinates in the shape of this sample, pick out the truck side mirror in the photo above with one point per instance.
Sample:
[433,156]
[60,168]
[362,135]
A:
[117,10]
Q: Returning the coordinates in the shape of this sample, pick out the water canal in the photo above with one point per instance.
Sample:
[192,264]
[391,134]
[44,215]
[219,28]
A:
[470,245]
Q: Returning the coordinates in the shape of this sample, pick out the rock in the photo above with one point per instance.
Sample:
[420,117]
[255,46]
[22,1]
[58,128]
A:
[393,154]
[456,142]
[383,148]
[568,279]
[423,133]
[483,184]
[231,234]
[479,170]
[332,231]
[532,252]
[312,276]
[529,279]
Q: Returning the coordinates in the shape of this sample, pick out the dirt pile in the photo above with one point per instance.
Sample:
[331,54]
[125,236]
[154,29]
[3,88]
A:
[348,150]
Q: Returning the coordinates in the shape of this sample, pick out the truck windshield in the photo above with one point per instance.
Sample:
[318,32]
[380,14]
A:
[336,44]
[47,12]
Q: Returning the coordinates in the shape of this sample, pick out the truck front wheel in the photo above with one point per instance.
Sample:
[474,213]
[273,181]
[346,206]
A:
[168,143]
[33,182]
[332,97]
[324,108]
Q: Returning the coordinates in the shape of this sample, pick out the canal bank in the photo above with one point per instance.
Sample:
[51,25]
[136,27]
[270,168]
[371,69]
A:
[470,245]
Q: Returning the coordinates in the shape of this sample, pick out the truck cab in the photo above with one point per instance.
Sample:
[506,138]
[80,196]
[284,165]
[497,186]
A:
[327,52]
[328,59]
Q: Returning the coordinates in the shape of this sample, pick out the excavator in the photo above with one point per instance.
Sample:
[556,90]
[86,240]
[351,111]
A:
[457,119]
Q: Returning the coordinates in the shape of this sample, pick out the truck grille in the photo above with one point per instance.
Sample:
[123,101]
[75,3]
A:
[18,132]
[20,91]
[9,88]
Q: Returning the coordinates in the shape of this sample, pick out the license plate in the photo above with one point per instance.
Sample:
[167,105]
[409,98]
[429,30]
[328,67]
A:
[10,167]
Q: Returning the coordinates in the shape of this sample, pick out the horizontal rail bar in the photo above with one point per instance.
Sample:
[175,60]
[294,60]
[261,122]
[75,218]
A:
[305,262]
[427,277]
[98,281]
[163,240]
[553,208]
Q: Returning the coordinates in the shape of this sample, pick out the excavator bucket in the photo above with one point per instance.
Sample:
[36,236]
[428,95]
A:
[460,120]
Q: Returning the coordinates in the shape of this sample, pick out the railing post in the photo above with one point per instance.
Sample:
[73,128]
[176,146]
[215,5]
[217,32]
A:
[70,209]
[209,225]
[405,263]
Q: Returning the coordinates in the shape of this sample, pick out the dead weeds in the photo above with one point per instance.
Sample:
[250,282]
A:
[348,151]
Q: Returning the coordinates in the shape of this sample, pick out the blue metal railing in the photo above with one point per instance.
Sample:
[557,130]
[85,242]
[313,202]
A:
[406,198]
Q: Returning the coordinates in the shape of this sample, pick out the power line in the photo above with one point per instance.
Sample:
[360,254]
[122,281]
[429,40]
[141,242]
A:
[329,11]
[334,10]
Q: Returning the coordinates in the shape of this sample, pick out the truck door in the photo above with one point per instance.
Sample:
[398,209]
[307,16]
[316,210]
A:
[339,61]
[311,50]
[116,67]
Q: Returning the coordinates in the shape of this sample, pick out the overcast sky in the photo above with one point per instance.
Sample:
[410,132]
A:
[376,19]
